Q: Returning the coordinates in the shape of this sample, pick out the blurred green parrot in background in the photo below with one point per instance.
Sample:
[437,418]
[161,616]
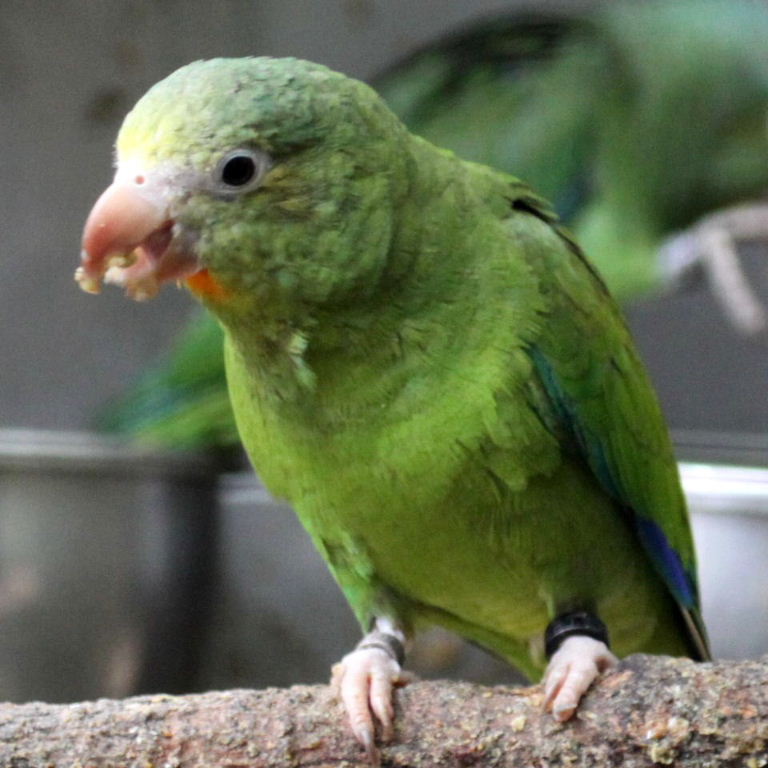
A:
[635,119]
[423,362]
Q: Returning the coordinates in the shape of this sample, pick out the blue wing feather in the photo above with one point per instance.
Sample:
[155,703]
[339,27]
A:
[596,450]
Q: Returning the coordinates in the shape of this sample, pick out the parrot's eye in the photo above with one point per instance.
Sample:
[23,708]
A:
[238,171]
[241,169]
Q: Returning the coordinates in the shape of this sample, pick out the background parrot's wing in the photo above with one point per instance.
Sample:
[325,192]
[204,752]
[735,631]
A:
[606,412]
[182,400]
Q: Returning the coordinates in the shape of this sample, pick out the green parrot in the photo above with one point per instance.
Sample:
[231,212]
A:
[634,119]
[423,362]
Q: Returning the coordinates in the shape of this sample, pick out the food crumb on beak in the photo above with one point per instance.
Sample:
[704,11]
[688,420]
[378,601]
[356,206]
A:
[86,282]
[122,260]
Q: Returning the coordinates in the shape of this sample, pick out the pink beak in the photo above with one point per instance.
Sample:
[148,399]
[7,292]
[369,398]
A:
[128,240]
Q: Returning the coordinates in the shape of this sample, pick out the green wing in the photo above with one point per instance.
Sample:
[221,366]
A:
[605,410]
[181,402]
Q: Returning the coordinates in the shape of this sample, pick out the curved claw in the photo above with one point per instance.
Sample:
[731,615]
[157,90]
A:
[365,680]
[572,669]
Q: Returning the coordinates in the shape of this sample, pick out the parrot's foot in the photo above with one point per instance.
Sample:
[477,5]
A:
[710,247]
[572,669]
[365,680]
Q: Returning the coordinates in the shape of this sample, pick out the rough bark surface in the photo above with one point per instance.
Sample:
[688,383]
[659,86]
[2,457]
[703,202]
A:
[648,712]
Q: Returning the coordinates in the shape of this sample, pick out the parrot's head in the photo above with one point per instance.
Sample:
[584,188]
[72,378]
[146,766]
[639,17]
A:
[251,180]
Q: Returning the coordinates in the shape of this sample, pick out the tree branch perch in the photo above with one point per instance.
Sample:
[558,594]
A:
[651,711]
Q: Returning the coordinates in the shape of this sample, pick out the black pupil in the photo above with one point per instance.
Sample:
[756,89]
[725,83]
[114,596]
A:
[238,170]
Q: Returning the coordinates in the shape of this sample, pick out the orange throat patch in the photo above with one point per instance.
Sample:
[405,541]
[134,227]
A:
[203,284]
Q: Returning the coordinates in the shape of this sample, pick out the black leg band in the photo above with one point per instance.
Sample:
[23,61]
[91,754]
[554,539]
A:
[573,623]
[384,642]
